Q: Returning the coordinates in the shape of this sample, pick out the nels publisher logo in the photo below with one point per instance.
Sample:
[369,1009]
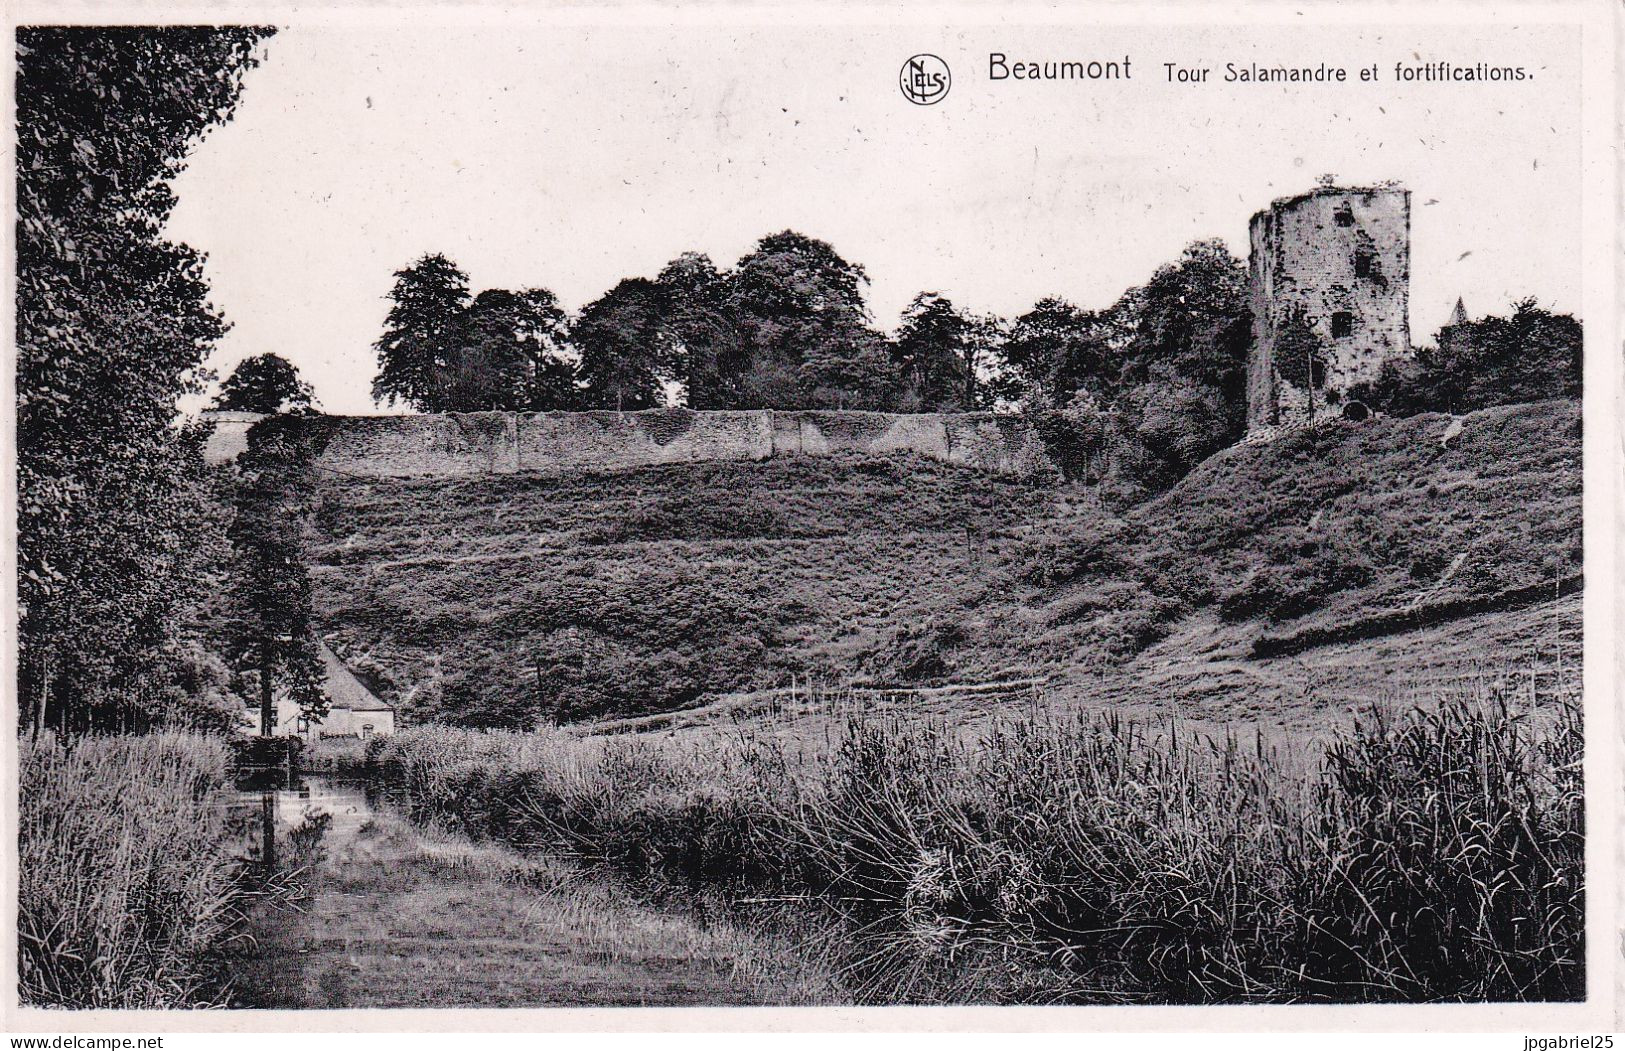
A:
[925,80]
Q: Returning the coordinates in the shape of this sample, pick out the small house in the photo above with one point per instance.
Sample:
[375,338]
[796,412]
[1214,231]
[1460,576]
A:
[354,712]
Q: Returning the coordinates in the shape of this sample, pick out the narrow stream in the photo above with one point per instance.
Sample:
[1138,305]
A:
[375,911]
[283,801]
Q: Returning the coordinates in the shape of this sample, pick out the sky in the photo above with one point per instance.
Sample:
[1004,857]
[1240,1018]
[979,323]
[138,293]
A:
[568,157]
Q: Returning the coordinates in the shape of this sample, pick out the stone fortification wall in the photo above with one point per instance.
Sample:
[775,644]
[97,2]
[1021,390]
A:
[473,444]
[229,439]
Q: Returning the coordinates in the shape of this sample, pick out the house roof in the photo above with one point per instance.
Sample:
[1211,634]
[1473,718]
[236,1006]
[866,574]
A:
[344,690]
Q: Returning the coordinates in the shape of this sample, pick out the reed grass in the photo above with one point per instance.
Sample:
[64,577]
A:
[126,871]
[1431,854]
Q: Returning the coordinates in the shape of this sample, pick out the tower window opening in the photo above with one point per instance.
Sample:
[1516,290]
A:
[1362,263]
[1342,324]
[1317,373]
[1344,216]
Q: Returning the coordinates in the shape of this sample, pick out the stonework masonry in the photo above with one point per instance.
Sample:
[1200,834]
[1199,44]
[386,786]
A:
[456,445]
[1336,260]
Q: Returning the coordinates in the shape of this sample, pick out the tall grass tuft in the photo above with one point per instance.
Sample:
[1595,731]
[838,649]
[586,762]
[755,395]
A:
[1456,852]
[1432,855]
[126,869]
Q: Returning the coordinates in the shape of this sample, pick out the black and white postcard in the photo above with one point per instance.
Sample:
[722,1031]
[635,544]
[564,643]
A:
[1058,518]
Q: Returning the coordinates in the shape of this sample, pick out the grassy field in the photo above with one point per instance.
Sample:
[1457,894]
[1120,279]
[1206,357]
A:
[128,871]
[501,602]
[1433,855]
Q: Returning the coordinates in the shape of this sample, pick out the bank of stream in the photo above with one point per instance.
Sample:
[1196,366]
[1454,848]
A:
[376,911]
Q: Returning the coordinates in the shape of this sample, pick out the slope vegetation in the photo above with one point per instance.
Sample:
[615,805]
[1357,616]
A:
[1318,534]
[500,600]
[504,599]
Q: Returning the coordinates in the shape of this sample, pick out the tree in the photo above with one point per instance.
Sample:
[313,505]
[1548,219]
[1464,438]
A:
[542,329]
[113,325]
[793,296]
[444,350]
[981,360]
[933,354]
[1056,350]
[420,332]
[624,350]
[703,343]
[847,370]
[1529,355]
[1153,384]
[506,351]
[1192,323]
[264,383]
[1170,426]
[1074,436]
[786,327]
[1183,339]
[270,631]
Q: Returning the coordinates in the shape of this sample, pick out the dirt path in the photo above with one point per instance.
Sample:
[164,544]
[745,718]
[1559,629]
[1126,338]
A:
[397,917]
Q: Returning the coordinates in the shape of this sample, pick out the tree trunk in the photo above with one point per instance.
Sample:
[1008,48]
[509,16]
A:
[268,828]
[267,712]
[44,691]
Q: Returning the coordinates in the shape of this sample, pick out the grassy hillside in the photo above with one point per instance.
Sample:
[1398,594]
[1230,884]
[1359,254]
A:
[1316,532]
[649,590]
[645,590]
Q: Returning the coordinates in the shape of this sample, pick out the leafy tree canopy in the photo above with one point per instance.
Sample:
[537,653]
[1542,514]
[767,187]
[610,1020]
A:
[795,301]
[1528,355]
[625,351]
[264,383]
[420,332]
[933,354]
[445,350]
[1191,321]
[704,342]
[113,325]
[1057,349]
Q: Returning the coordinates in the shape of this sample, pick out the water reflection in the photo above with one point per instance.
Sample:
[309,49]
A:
[276,802]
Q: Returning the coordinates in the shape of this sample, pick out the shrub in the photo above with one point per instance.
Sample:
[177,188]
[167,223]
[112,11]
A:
[1529,355]
[918,653]
[196,694]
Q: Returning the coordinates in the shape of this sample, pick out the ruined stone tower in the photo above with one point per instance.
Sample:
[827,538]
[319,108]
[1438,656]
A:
[1330,277]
